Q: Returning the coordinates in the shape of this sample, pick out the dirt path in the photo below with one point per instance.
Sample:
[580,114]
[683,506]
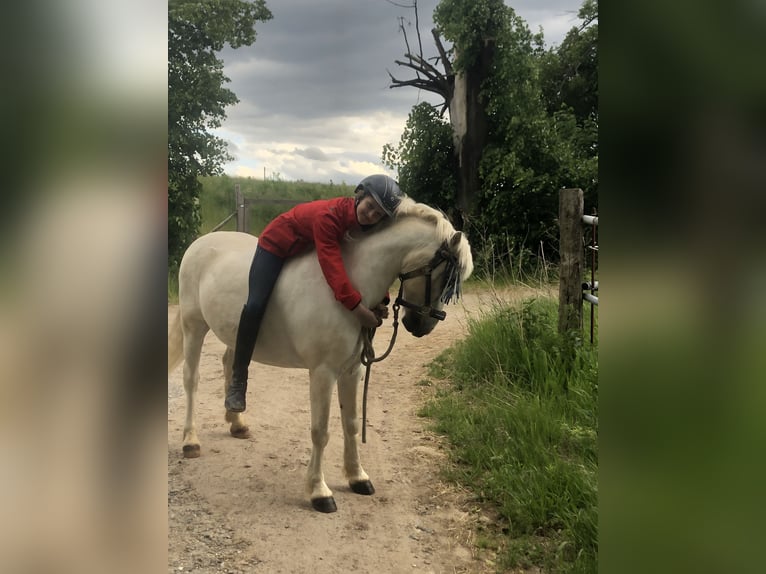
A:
[241,508]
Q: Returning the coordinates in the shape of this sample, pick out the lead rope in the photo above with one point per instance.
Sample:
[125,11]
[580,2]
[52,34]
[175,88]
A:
[368,358]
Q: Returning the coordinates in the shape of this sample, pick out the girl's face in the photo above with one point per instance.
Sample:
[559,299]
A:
[368,212]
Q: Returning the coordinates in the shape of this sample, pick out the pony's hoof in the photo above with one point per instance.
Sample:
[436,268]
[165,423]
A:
[325,504]
[363,487]
[191,451]
[241,432]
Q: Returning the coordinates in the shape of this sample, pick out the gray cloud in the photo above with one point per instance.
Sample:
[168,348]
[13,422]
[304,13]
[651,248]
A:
[312,153]
[321,58]
[314,87]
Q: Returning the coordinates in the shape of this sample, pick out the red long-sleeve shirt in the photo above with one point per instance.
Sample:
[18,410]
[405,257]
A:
[322,223]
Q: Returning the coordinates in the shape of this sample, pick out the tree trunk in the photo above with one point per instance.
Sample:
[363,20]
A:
[468,116]
[470,126]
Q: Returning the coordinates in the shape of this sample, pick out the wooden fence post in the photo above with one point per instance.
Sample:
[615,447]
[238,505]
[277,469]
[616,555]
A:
[571,251]
[241,209]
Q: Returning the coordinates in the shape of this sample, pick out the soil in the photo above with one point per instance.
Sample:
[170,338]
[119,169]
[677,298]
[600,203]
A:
[241,506]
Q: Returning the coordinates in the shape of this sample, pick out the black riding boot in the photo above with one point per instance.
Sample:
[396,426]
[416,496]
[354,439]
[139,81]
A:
[243,353]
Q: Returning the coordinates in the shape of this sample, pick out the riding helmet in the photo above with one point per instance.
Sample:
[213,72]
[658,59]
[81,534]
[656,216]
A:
[384,190]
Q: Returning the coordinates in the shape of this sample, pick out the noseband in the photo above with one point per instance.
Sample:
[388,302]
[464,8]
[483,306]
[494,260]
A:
[441,256]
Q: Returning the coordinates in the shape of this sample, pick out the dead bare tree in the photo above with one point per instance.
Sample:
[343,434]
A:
[427,76]
[461,94]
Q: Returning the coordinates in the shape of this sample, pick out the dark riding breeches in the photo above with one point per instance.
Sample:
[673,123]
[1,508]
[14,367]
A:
[264,272]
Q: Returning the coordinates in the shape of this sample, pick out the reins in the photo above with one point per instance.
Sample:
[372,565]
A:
[368,358]
[452,289]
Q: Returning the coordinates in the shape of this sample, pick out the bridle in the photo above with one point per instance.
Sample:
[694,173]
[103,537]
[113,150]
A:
[441,256]
[451,289]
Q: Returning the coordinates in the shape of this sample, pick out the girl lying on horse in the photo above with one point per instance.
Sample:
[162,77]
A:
[322,224]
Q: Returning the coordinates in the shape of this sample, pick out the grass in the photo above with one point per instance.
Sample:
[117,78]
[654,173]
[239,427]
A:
[217,199]
[217,202]
[519,406]
[173,287]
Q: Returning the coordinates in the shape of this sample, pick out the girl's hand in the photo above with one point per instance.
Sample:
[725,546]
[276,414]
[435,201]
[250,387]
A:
[366,317]
[381,311]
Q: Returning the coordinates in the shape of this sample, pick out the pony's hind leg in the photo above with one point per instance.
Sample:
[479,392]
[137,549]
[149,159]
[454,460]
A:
[238,428]
[321,382]
[347,397]
[194,335]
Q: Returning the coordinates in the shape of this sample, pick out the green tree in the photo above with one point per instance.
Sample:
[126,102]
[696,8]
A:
[529,140]
[197,99]
[425,159]
[569,81]
[569,74]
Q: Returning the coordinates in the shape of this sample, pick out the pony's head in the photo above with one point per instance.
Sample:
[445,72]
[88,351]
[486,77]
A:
[433,271]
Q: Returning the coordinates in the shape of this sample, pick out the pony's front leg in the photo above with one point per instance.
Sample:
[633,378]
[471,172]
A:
[238,428]
[347,397]
[321,382]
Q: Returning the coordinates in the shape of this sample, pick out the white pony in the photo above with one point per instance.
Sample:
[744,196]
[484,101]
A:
[305,327]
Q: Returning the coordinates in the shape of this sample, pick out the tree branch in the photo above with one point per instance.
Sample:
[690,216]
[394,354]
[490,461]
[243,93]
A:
[430,72]
[435,87]
[404,32]
[417,29]
[426,67]
[442,53]
[428,76]
[403,5]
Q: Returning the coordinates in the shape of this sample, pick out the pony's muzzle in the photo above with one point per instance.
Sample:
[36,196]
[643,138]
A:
[418,324]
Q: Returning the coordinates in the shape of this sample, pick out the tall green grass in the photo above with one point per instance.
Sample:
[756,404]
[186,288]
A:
[217,199]
[217,202]
[172,287]
[520,409]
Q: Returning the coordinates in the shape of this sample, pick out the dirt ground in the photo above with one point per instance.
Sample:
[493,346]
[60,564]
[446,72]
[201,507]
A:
[241,506]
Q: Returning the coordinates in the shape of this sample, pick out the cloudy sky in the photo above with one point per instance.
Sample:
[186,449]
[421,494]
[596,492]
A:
[315,102]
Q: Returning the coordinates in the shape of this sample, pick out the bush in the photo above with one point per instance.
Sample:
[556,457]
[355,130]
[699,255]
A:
[520,409]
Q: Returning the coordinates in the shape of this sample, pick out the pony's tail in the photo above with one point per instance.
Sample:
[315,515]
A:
[175,342]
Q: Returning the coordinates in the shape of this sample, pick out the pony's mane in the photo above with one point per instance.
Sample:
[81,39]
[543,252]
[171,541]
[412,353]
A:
[444,229]
[410,208]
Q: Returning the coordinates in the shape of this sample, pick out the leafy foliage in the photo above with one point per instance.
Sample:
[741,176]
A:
[569,76]
[425,158]
[543,135]
[569,83]
[197,100]
[468,23]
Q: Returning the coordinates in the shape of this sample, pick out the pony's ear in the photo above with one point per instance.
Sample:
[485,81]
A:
[455,240]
